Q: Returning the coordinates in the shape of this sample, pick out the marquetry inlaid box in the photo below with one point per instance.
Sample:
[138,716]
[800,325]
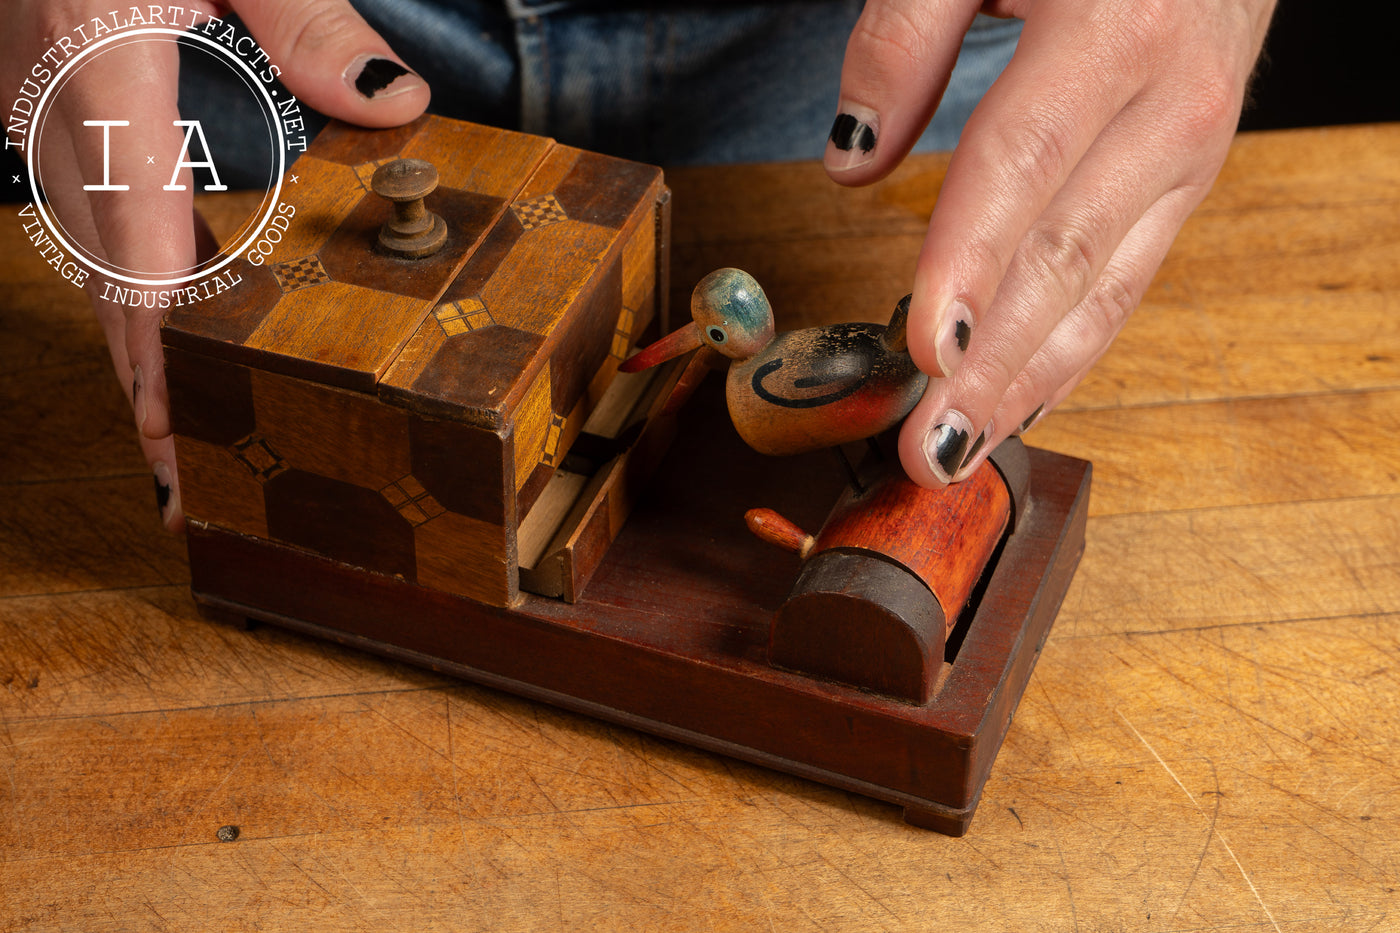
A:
[456,420]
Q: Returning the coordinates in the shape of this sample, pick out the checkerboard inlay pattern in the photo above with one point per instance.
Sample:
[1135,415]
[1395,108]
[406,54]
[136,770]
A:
[539,212]
[551,440]
[300,273]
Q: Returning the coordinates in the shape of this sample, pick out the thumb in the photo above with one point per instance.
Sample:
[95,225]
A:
[897,64]
[334,61]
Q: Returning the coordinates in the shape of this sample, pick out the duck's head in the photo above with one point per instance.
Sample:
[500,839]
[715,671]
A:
[730,314]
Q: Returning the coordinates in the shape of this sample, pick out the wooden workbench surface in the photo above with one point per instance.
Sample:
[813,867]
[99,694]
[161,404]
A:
[1211,739]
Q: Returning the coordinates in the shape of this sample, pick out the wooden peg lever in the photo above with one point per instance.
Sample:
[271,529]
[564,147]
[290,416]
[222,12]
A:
[773,528]
[415,231]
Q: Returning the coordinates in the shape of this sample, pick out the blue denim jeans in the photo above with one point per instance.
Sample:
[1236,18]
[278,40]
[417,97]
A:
[668,83]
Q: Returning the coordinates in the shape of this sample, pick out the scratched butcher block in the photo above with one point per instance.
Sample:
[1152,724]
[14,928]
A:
[420,379]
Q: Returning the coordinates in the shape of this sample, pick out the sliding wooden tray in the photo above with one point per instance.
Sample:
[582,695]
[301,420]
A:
[671,635]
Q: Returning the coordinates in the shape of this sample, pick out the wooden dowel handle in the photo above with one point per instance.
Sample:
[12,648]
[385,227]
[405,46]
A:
[773,528]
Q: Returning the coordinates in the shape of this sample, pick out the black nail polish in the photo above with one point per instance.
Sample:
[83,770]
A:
[162,495]
[950,448]
[849,133]
[1031,420]
[378,74]
[976,449]
[963,332]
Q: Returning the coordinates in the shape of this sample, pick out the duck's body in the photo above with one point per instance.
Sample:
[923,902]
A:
[800,390]
[820,387]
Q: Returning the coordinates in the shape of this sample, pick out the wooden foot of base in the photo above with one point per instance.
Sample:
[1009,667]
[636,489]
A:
[226,615]
[943,820]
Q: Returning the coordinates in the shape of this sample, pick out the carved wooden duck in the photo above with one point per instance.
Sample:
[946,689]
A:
[799,390]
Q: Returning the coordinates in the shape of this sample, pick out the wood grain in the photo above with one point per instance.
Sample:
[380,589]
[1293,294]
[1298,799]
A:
[1209,741]
[399,410]
[945,537]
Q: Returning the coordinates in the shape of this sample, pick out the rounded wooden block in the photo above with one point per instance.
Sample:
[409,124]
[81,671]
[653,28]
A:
[859,620]
[945,537]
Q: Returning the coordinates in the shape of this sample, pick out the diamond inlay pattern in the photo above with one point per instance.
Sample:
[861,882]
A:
[622,339]
[255,453]
[365,171]
[412,501]
[458,317]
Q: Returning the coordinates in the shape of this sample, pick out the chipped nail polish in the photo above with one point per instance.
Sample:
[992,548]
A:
[1031,419]
[138,398]
[945,446]
[852,139]
[376,78]
[164,489]
[848,133]
[954,334]
[976,447]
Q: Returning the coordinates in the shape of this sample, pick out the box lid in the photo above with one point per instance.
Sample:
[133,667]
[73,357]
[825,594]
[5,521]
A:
[533,231]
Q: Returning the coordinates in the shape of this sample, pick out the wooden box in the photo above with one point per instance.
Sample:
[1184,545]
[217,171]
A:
[411,417]
[436,459]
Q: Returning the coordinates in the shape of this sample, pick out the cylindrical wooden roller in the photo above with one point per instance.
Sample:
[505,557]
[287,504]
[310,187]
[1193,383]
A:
[943,536]
[885,580]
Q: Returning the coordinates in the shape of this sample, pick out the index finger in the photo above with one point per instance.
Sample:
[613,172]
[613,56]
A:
[1017,151]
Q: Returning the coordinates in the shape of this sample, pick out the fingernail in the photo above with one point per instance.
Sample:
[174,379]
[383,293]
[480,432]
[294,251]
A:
[375,78]
[166,500]
[1031,419]
[852,138]
[138,399]
[972,452]
[945,446]
[976,447]
[954,333]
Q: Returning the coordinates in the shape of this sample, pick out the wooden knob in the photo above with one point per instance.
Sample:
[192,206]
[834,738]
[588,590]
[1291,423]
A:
[415,231]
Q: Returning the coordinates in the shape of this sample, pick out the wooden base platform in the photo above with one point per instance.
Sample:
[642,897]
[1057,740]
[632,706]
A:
[671,635]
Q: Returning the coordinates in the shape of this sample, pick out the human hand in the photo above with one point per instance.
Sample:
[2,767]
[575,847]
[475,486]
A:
[328,57]
[1065,191]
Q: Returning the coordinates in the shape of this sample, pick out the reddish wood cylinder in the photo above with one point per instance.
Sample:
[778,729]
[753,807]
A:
[945,537]
[886,580]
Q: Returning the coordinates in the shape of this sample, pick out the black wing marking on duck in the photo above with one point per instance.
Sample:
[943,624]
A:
[839,376]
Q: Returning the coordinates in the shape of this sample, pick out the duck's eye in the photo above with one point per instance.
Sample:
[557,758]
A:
[717,335]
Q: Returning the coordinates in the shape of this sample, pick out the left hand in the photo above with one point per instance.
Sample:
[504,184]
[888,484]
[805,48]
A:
[1068,186]
[329,58]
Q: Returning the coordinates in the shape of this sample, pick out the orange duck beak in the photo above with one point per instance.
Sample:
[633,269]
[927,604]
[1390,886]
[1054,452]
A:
[679,341]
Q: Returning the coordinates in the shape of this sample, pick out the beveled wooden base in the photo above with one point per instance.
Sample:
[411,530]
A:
[671,635]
